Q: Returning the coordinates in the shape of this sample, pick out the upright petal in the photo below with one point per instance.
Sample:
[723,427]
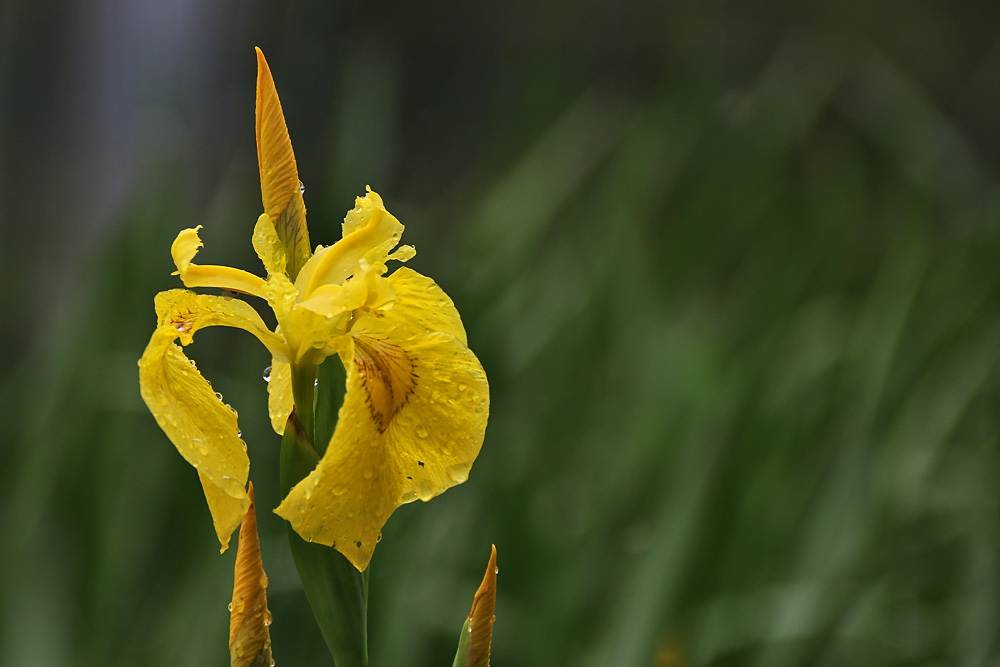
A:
[281,190]
[370,232]
[411,425]
[203,428]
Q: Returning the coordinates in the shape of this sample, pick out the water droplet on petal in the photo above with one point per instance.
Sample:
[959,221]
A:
[218,396]
[316,382]
[267,374]
[421,431]
[302,188]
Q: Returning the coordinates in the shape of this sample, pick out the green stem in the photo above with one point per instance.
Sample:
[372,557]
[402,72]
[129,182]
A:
[303,394]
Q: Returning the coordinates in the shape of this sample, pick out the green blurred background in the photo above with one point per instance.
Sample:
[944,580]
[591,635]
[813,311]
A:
[731,267]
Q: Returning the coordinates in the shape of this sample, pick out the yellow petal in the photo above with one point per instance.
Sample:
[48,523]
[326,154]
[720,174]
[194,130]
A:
[420,304]
[203,428]
[249,618]
[279,395]
[183,250]
[411,426]
[281,191]
[187,312]
[268,246]
[370,232]
[226,510]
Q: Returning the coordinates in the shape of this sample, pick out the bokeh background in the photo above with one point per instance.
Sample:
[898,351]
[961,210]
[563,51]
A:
[732,269]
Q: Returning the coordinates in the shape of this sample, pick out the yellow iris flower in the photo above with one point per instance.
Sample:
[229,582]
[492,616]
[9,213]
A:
[417,399]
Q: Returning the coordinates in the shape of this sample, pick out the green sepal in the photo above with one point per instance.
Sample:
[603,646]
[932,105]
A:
[337,592]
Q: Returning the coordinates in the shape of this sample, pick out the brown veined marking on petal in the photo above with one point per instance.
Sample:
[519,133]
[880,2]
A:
[388,376]
[183,321]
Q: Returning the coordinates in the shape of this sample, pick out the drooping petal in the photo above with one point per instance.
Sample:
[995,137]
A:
[423,305]
[224,508]
[249,618]
[281,191]
[203,428]
[279,395]
[370,232]
[187,312]
[411,425]
[183,250]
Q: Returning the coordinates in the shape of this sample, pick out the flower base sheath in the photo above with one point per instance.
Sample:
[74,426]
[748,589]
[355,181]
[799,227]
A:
[417,399]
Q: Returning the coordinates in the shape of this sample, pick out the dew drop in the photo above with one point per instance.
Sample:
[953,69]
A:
[316,382]
[421,431]
[267,374]
[268,619]
[230,606]
[302,188]
[496,570]
[240,605]
[218,396]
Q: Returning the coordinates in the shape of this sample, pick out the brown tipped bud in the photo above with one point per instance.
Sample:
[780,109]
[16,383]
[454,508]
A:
[249,619]
[481,617]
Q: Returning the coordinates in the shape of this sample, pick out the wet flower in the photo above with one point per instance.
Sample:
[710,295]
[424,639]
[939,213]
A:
[417,399]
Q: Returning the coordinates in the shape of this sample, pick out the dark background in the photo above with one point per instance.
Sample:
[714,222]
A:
[731,267]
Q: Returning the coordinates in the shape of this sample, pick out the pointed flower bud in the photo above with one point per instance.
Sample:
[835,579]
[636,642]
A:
[477,633]
[249,620]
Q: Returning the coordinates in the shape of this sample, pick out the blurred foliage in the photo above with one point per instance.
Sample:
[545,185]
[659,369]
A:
[731,269]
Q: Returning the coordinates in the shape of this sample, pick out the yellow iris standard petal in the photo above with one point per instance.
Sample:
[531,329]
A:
[279,395]
[411,425]
[203,428]
[370,232]
[281,191]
